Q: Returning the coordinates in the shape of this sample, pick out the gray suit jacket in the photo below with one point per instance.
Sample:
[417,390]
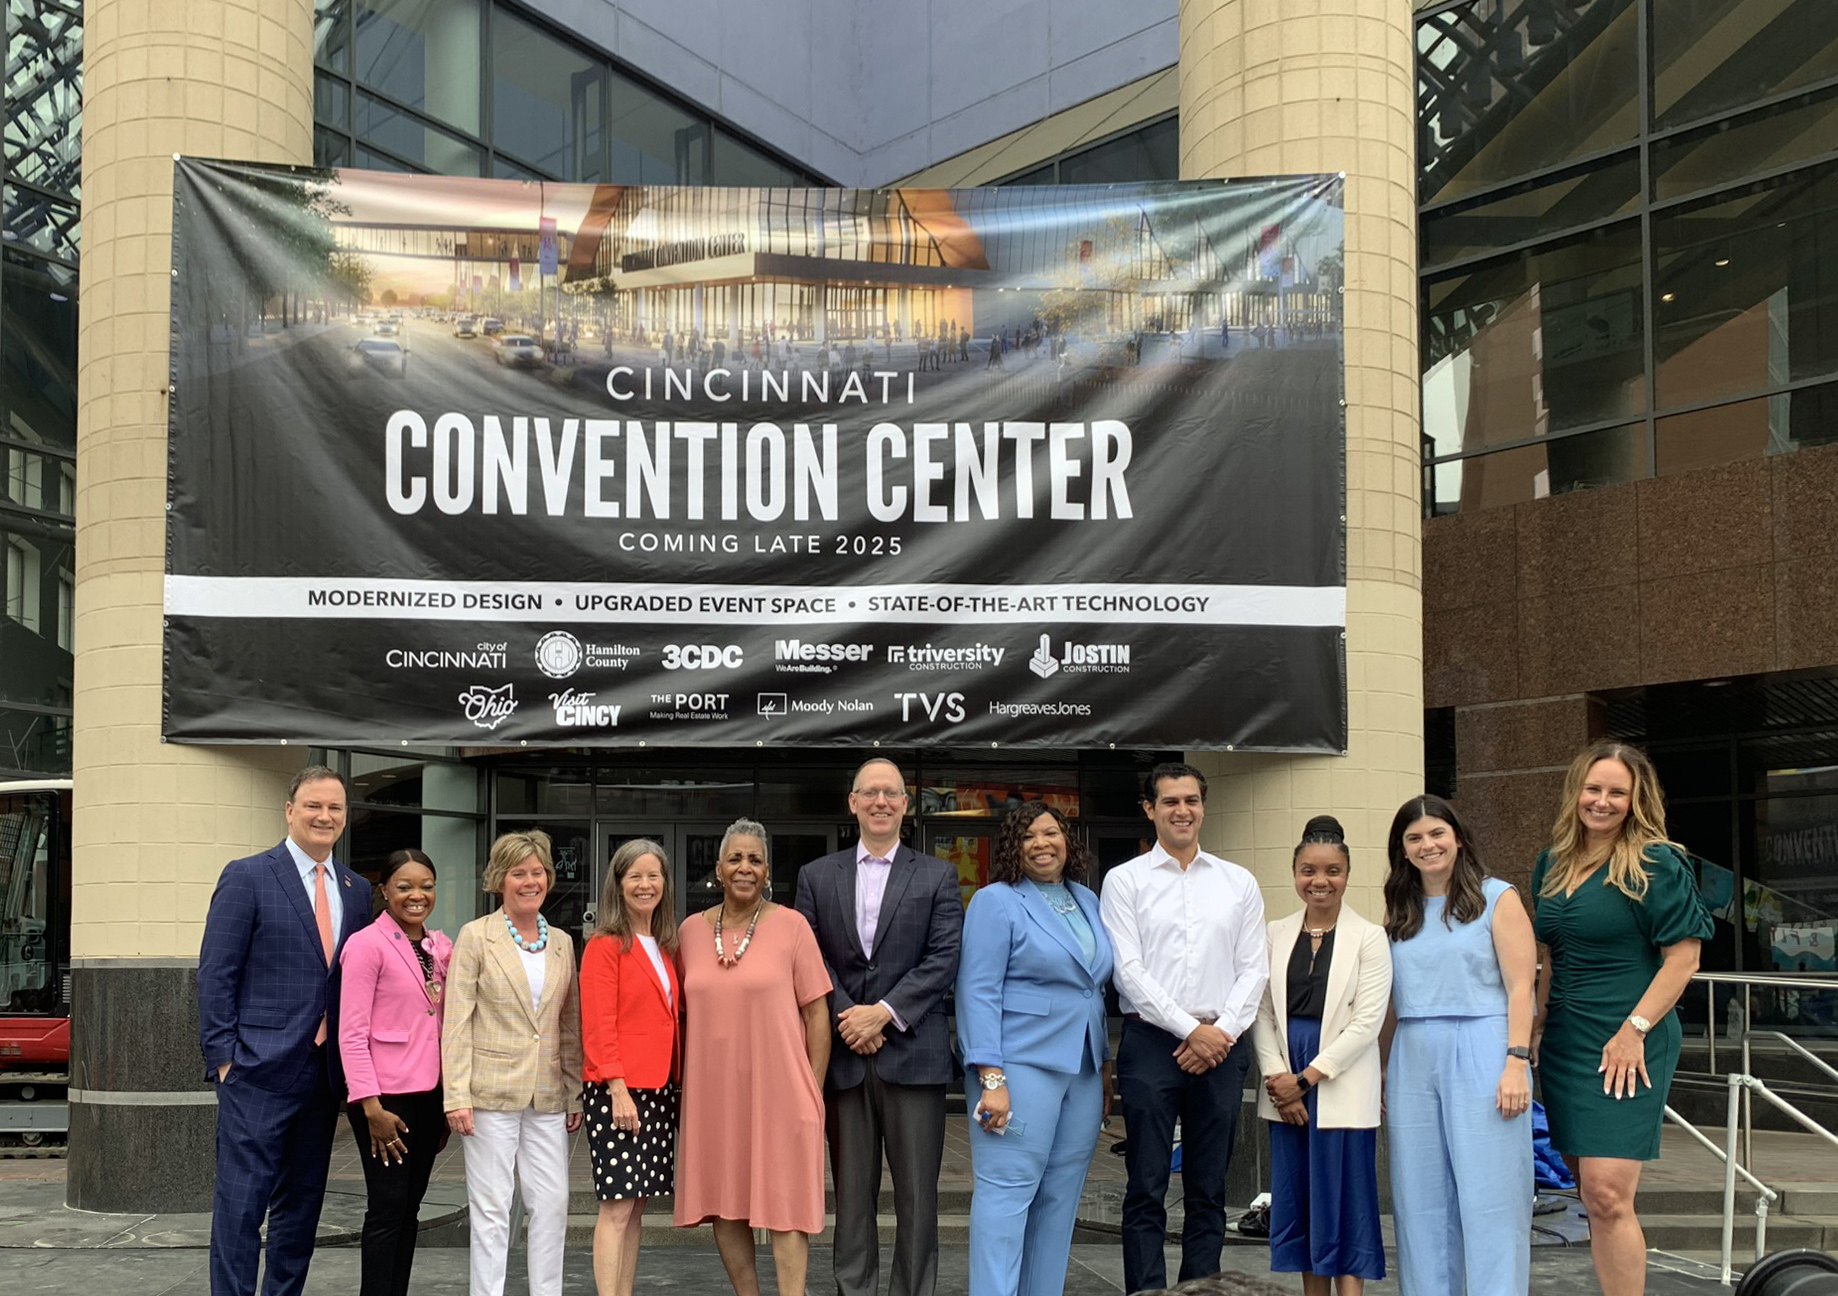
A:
[914,964]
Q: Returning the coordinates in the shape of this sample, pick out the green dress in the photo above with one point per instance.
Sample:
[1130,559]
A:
[1605,949]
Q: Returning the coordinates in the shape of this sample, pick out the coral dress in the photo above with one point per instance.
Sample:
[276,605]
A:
[752,1133]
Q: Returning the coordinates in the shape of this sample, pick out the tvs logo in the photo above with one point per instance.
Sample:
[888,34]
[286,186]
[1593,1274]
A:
[559,654]
[488,707]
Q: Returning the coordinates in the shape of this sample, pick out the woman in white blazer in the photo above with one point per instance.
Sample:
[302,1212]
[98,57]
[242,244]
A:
[1318,1048]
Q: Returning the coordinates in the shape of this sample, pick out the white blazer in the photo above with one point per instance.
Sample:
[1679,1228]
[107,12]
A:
[1358,989]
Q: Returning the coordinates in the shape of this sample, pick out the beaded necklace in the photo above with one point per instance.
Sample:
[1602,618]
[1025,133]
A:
[721,955]
[528,947]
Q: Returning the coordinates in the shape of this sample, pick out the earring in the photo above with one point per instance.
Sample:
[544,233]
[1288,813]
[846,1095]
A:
[768,888]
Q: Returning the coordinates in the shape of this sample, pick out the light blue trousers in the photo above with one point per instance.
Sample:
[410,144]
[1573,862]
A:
[1028,1181]
[1461,1175]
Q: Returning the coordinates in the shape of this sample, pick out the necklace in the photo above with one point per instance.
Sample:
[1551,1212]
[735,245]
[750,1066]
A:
[528,947]
[430,981]
[1056,895]
[1316,933]
[721,954]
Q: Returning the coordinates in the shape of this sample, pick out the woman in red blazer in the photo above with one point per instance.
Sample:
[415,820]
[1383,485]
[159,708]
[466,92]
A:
[630,997]
[394,972]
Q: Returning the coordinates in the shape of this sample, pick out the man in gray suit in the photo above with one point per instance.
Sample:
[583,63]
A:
[888,921]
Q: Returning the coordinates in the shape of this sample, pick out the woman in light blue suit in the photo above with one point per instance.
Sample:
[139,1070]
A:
[1030,1022]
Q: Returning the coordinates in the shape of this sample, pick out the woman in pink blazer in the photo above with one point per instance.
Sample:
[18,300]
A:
[630,998]
[394,973]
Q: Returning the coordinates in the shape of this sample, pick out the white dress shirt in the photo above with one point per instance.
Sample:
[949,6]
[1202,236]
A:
[1189,942]
[335,903]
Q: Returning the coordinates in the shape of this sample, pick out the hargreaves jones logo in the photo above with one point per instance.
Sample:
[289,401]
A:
[577,710]
[1084,658]
[930,657]
[796,655]
[558,654]
[702,657]
[488,707]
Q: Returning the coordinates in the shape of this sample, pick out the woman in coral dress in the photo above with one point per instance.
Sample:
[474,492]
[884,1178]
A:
[755,1006]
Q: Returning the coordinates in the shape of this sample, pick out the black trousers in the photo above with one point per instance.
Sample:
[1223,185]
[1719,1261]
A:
[395,1189]
[1154,1091]
[907,1122]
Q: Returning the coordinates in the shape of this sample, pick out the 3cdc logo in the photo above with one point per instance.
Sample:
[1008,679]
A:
[702,657]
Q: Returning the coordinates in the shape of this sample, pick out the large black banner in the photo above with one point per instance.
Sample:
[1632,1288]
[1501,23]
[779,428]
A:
[496,463]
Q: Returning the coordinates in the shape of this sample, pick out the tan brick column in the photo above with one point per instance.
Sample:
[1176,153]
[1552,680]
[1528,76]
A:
[1272,88]
[154,822]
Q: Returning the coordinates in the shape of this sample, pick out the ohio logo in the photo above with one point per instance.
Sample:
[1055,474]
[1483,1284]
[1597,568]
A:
[488,707]
[702,657]
[558,654]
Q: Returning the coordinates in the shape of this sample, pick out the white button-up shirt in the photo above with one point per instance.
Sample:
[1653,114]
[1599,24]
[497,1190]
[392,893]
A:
[1189,942]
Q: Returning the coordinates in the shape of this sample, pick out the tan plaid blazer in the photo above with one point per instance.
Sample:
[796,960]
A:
[497,1051]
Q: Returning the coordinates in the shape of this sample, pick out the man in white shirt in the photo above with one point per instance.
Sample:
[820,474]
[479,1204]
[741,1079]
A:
[1188,932]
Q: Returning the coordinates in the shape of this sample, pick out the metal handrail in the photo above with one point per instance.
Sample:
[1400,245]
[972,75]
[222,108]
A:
[1748,981]
[1744,1085]
[1799,1048]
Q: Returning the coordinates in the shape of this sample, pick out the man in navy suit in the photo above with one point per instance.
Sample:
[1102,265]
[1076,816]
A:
[889,921]
[267,1010]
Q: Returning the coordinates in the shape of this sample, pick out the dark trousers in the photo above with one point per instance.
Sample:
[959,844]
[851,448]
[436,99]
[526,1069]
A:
[909,1122]
[395,1188]
[1154,1091]
[273,1153]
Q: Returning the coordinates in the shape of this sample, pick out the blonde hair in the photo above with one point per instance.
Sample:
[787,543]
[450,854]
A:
[1644,827]
[614,919]
[512,849]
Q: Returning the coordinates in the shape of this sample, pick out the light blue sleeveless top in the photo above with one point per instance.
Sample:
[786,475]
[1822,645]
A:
[1441,972]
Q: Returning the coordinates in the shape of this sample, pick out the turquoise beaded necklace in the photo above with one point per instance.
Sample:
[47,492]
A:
[542,934]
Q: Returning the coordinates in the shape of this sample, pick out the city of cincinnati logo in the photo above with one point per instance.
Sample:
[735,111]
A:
[488,707]
[558,654]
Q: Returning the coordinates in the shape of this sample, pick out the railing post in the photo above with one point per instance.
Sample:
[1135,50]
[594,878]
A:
[1748,1101]
[1710,1034]
[1761,1225]
[1729,1173]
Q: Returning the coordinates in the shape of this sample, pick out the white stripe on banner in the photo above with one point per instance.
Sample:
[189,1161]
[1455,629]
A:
[263,597]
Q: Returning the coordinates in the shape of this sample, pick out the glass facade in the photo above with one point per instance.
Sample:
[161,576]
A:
[41,188]
[1628,216]
[483,88]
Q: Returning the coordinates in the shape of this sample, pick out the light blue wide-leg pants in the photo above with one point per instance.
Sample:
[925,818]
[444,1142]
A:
[1026,1198]
[1461,1174]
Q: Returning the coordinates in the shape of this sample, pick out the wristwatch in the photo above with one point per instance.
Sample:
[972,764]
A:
[1521,1052]
[995,1081]
[1302,1083]
[1639,1023]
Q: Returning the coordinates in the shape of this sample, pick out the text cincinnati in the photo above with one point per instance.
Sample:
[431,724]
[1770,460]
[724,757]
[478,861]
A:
[606,468]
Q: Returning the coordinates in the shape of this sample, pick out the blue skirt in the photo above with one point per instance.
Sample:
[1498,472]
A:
[1324,1214]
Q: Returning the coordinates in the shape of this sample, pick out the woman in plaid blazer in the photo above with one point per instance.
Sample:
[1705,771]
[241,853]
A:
[511,1062]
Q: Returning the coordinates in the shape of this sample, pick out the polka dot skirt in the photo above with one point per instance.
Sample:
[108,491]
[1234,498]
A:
[632,1163]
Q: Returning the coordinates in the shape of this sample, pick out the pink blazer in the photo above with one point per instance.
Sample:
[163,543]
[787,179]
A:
[388,1031]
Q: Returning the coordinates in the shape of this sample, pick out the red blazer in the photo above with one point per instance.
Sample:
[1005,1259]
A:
[628,1026]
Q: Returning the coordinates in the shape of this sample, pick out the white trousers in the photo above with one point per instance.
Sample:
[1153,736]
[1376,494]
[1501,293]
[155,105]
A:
[508,1148]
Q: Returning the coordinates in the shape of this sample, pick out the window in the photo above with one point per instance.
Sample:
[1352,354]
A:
[66,611]
[22,583]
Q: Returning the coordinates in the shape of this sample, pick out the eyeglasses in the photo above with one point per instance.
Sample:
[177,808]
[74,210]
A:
[872,795]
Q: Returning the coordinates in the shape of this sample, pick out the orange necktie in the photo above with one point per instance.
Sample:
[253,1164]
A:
[322,914]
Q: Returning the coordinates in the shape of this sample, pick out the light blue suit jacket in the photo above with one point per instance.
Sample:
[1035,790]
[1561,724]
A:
[1025,992]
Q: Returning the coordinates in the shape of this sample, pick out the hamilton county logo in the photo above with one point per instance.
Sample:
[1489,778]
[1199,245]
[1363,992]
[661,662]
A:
[558,654]
[488,707]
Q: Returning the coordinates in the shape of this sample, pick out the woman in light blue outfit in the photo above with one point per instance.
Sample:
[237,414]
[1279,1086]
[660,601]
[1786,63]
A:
[1030,1021]
[1458,1087]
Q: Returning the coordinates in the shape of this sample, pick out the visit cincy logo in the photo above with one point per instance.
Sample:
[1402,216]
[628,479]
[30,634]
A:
[488,707]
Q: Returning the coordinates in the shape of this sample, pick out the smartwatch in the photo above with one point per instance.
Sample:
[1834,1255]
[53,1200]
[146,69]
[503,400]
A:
[1302,1082]
[1519,1051]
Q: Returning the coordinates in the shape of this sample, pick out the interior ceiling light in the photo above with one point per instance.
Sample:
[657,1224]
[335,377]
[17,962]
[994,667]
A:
[1666,297]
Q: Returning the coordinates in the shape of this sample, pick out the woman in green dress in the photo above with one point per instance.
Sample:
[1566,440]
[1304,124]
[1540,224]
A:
[1619,922]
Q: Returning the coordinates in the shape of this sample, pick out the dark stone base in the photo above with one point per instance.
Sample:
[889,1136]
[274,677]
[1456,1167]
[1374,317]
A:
[132,1159]
[133,1050]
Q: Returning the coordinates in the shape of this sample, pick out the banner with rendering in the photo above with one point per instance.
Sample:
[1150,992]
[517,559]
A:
[500,463]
